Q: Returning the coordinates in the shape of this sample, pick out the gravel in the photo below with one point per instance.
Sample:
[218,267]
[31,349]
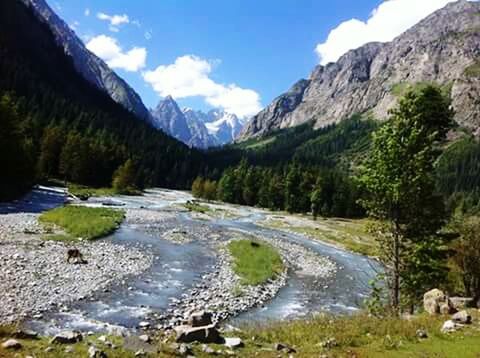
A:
[35,274]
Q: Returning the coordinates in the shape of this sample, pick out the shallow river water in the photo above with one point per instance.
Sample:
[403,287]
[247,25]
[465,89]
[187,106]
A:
[178,267]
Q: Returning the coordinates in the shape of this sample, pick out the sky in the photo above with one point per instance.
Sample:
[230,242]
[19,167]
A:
[237,55]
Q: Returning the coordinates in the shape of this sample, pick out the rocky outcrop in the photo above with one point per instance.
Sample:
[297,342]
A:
[435,301]
[92,68]
[444,48]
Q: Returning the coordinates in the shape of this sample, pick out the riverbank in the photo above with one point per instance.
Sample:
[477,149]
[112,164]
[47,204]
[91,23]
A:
[322,336]
[36,276]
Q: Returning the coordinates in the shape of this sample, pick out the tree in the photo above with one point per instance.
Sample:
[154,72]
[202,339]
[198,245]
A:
[292,189]
[399,180]
[124,178]
[316,200]
[50,150]
[198,187]
[466,255]
[210,190]
[16,154]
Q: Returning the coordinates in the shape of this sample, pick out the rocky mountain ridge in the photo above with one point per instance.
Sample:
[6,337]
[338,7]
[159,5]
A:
[92,68]
[444,48]
[196,128]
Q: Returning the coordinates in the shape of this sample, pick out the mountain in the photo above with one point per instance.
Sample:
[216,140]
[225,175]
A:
[168,117]
[70,128]
[196,128]
[225,127]
[444,48]
[92,68]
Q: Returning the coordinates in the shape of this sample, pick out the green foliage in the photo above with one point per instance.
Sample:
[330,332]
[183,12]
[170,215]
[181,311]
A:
[16,152]
[255,263]
[124,178]
[399,178]
[204,188]
[362,335]
[473,70]
[195,206]
[466,255]
[84,222]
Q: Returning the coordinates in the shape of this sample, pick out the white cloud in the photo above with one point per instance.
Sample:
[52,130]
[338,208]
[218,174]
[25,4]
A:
[388,20]
[108,49]
[114,20]
[87,12]
[188,76]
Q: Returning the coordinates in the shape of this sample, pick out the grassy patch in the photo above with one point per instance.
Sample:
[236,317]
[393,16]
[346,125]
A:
[255,262]
[84,222]
[197,207]
[473,70]
[349,234]
[84,192]
[363,336]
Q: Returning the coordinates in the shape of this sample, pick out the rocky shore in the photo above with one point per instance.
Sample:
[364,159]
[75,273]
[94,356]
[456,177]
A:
[36,276]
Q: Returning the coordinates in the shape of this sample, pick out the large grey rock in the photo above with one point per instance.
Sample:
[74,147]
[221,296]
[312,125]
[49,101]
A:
[233,343]
[200,318]
[369,79]
[462,317]
[206,334]
[435,301]
[11,344]
[450,326]
[67,337]
[94,352]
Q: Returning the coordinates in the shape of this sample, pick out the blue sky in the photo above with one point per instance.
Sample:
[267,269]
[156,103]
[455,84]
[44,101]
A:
[233,54]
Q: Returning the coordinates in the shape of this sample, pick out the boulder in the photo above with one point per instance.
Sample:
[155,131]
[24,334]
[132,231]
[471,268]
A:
[11,344]
[460,303]
[25,334]
[200,319]
[94,352]
[450,326]
[67,337]
[206,334]
[435,302]
[233,343]
[446,308]
[462,317]
[422,334]
[144,338]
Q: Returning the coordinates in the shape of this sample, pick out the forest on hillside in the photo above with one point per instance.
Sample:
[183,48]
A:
[59,125]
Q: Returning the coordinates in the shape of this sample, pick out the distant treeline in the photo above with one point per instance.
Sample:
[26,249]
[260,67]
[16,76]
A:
[294,187]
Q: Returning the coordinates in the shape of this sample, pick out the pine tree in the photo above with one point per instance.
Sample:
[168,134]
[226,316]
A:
[124,178]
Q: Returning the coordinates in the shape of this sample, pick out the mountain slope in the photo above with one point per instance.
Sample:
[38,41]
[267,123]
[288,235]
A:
[443,48]
[91,134]
[94,70]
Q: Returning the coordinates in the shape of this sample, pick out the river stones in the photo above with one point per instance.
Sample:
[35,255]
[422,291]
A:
[11,344]
[233,343]
[200,318]
[205,334]
[67,337]
[462,317]
[435,301]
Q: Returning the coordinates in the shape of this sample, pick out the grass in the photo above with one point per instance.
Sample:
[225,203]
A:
[473,70]
[349,234]
[84,192]
[83,222]
[195,206]
[361,336]
[255,264]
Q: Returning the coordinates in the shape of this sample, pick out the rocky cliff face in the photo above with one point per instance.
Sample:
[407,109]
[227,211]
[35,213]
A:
[93,69]
[444,48]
